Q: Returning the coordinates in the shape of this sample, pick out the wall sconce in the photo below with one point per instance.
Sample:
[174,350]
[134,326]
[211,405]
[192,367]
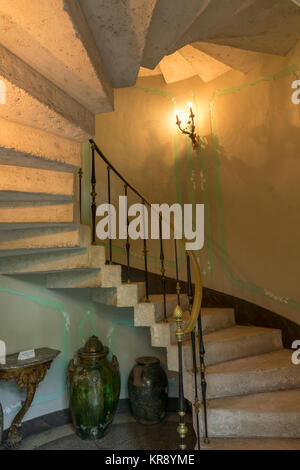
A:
[189,129]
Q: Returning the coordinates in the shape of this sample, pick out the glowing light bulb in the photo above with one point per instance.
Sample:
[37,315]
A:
[176,112]
[190,105]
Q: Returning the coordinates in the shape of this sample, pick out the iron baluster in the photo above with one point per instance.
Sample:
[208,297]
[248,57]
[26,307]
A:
[145,252]
[181,429]
[80,173]
[193,338]
[93,194]
[203,379]
[177,276]
[162,268]
[109,201]
[127,243]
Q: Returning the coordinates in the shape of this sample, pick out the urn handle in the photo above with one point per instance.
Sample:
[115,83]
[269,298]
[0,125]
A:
[70,371]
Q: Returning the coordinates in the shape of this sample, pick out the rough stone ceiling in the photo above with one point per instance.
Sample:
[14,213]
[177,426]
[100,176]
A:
[232,34]
[100,45]
[207,60]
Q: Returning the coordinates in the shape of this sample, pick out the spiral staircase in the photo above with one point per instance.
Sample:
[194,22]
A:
[60,62]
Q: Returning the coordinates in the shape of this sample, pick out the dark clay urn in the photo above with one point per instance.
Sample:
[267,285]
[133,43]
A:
[148,390]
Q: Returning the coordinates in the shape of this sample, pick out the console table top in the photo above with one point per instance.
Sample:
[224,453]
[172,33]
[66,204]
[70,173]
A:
[42,355]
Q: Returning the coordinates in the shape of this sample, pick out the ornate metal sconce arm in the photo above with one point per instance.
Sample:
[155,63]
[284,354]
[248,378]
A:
[189,129]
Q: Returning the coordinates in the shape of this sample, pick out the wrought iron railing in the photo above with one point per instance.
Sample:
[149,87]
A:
[194,324]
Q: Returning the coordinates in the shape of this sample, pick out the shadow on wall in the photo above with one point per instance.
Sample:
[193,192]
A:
[257,207]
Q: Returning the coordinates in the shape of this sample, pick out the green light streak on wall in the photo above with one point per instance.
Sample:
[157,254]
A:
[293,69]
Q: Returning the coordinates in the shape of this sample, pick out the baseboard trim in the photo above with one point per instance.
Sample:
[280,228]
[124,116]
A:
[63,417]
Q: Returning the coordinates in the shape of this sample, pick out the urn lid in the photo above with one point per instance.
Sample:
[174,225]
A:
[147,361]
[93,346]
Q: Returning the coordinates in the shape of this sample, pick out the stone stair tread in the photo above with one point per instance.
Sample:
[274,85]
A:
[33,251]
[283,401]
[263,362]
[270,361]
[23,198]
[34,225]
[44,105]
[163,333]
[123,52]
[236,333]
[122,295]
[229,344]
[204,312]
[262,373]
[59,260]
[16,179]
[42,210]
[171,320]
[219,443]
[123,284]
[91,277]
[82,271]
[28,146]
[19,239]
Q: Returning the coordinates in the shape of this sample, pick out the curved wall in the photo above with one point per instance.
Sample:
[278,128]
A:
[246,173]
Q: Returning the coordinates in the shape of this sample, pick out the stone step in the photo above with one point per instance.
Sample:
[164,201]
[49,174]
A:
[237,59]
[216,443]
[125,295]
[207,67]
[242,24]
[5,227]
[163,334]
[229,344]
[148,313]
[15,180]
[58,235]
[120,32]
[28,147]
[106,276]
[33,100]
[144,72]
[255,374]
[268,415]
[34,212]
[60,259]
[69,59]
[176,67]
[162,34]
[214,319]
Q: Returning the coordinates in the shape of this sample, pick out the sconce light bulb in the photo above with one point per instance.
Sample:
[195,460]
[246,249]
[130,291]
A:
[176,112]
[190,105]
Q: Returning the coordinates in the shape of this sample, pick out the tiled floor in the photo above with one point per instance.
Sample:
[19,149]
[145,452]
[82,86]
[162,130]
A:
[52,433]
[127,436]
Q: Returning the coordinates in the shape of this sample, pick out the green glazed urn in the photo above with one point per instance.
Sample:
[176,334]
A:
[94,388]
[148,391]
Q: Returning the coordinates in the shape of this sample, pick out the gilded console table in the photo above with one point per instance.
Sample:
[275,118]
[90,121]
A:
[26,374]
